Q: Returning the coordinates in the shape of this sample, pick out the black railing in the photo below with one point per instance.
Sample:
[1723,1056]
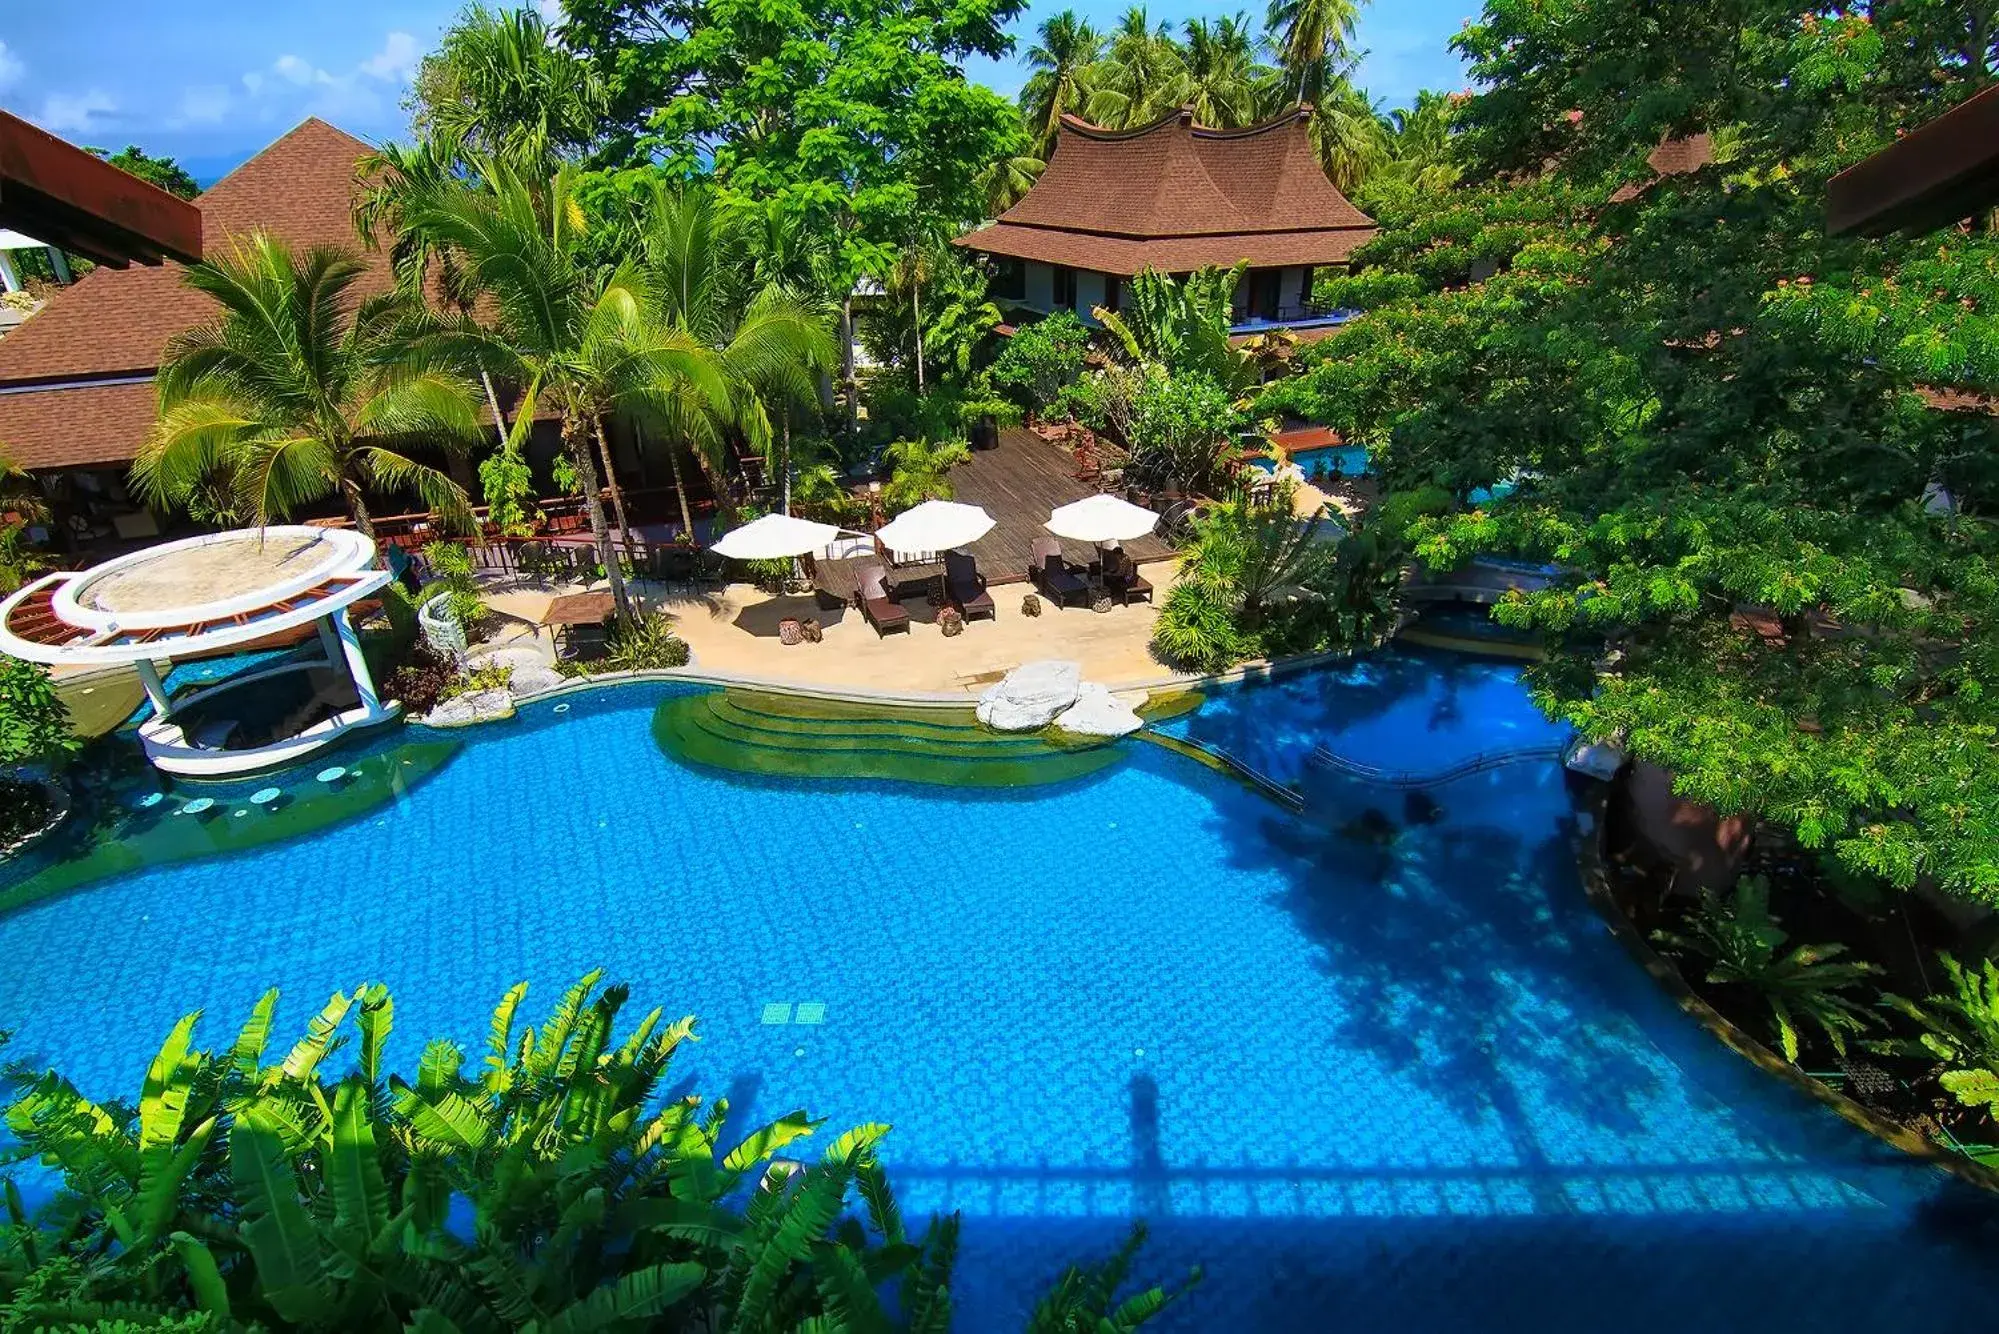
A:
[1325,759]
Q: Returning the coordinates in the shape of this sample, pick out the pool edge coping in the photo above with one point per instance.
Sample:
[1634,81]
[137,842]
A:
[1596,886]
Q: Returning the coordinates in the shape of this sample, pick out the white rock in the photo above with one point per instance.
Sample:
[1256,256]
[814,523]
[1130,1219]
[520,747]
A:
[479,706]
[1030,696]
[1097,712]
[532,680]
[514,659]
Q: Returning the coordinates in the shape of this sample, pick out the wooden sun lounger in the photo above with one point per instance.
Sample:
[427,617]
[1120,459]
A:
[967,587]
[1052,575]
[883,612]
[1122,579]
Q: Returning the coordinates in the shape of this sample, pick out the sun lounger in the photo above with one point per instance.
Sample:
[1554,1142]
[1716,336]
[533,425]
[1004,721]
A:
[966,586]
[882,611]
[1054,577]
[1122,579]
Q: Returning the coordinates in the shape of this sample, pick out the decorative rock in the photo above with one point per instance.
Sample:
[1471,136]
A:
[1030,605]
[1102,604]
[479,706]
[533,680]
[1030,696]
[514,659]
[789,631]
[951,622]
[812,630]
[1097,712]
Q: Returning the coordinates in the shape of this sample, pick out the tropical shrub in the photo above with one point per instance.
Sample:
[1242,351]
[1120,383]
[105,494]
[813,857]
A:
[920,471]
[34,721]
[647,644]
[1744,947]
[1960,1032]
[1182,326]
[422,680]
[1041,360]
[452,579]
[550,1188]
[1183,428]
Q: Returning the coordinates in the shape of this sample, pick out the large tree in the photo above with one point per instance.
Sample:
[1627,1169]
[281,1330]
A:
[1065,48]
[500,86]
[1776,556]
[296,392]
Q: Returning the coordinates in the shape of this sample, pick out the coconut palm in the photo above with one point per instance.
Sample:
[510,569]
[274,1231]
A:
[1313,40]
[1007,177]
[770,343]
[1066,48]
[294,393]
[1347,134]
[1219,79]
[1135,81]
[584,340]
[499,88]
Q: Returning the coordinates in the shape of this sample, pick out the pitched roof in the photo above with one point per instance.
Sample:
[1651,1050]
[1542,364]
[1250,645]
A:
[115,323]
[1673,157]
[1174,196]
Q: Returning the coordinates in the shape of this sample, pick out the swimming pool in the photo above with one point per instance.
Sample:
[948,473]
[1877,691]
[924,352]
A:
[1338,460]
[1405,1083]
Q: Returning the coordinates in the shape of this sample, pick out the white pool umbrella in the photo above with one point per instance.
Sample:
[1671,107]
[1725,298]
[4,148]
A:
[775,536]
[1102,519]
[935,525]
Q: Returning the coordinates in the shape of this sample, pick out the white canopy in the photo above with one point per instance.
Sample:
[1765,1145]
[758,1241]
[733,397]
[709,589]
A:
[774,537]
[935,525]
[1102,519]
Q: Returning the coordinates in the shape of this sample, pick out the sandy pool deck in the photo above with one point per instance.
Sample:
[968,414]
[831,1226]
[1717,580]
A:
[734,632]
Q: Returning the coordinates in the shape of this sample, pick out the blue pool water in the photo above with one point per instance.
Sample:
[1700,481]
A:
[1406,1085]
[1344,460]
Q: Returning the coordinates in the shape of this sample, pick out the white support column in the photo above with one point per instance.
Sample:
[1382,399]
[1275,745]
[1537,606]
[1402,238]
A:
[329,642]
[357,666]
[10,277]
[156,690]
[60,263]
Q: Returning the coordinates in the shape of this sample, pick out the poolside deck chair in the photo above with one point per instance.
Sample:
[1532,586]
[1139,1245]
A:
[1052,575]
[882,611]
[1122,579]
[967,587]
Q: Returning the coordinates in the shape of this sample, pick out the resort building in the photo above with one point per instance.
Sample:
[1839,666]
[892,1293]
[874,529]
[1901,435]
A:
[1175,196]
[76,379]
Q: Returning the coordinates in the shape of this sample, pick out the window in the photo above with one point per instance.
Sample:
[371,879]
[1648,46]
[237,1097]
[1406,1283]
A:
[1009,280]
[1113,289]
[1065,287]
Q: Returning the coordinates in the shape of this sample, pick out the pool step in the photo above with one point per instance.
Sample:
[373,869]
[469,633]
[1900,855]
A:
[750,732]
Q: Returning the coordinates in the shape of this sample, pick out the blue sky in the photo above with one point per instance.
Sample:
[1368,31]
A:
[210,81]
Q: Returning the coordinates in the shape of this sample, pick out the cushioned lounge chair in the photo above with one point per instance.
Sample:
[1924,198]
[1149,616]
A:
[883,612]
[967,586]
[1052,575]
[1122,579]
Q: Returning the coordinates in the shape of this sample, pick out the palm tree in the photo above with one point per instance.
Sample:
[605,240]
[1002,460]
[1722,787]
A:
[1347,134]
[1218,74]
[499,88]
[586,340]
[291,398]
[769,342]
[21,503]
[1007,177]
[1135,80]
[920,471]
[1314,39]
[1067,47]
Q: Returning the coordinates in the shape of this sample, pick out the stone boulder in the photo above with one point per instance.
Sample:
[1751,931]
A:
[479,706]
[533,680]
[1097,712]
[1030,696]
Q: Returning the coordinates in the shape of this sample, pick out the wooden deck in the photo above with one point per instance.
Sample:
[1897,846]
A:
[1018,483]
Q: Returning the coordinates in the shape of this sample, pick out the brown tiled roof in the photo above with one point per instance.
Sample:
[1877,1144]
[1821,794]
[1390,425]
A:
[1674,157]
[1175,196]
[82,427]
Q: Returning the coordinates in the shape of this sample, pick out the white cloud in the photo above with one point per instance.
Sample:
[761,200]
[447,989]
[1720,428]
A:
[551,11]
[11,68]
[203,104]
[396,60]
[74,113]
[296,69]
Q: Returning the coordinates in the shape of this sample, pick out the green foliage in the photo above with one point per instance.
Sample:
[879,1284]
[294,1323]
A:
[1744,946]
[1257,581]
[452,579]
[498,88]
[296,392]
[646,644]
[164,172]
[947,288]
[34,721]
[920,470]
[1041,360]
[1082,1298]
[507,485]
[854,121]
[548,1188]
[1775,556]
[1184,428]
[1182,326]
[1959,1031]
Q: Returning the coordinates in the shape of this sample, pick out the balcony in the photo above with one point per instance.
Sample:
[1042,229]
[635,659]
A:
[1298,315]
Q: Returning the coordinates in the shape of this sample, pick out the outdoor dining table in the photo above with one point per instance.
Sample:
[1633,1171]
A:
[565,613]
